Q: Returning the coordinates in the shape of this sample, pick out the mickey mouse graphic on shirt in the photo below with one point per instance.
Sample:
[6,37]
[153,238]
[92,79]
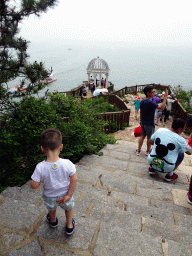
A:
[159,159]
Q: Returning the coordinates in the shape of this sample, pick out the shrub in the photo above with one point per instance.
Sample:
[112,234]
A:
[22,127]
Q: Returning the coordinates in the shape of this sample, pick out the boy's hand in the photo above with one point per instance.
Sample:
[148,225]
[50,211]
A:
[34,184]
[64,199]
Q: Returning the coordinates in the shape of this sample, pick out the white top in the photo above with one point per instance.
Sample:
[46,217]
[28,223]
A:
[54,176]
[169,104]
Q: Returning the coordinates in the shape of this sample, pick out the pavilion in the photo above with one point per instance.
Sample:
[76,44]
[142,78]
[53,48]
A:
[96,67]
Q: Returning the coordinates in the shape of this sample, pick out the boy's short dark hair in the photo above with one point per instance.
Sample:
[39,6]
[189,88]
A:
[147,88]
[51,139]
[178,123]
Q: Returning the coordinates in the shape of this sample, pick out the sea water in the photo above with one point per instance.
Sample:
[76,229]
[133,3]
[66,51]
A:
[129,65]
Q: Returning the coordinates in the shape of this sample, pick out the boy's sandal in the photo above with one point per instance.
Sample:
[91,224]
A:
[69,231]
[52,224]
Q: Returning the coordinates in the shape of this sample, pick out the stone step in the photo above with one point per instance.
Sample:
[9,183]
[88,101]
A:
[167,231]
[20,215]
[24,194]
[119,209]
[90,200]
[133,183]
[96,210]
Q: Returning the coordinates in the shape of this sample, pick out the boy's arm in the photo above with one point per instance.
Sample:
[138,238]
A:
[73,184]
[72,187]
[34,184]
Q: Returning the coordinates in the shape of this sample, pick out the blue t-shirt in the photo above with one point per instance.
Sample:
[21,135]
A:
[167,145]
[147,108]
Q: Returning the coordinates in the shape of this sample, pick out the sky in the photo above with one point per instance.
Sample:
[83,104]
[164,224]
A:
[135,22]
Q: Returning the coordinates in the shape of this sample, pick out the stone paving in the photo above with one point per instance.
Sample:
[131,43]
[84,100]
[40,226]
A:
[119,210]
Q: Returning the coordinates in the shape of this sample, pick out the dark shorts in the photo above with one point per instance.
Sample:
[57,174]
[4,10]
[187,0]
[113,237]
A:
[147,130]
[179,158]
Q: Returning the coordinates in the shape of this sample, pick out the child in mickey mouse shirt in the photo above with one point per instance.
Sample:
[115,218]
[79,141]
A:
[168,150]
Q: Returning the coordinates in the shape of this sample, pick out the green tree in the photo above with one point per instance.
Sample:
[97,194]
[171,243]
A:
[13,49]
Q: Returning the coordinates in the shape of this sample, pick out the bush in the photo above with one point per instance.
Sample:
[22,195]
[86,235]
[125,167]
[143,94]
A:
[21,129]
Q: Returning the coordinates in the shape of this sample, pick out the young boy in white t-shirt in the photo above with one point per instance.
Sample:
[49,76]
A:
[59,179]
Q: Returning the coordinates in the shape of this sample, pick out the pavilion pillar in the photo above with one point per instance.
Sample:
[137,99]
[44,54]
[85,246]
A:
[95,75]
[88,77]
[106,80]
[100,80]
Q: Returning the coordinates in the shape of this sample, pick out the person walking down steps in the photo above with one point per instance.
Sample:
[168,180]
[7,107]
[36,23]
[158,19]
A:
[59,179]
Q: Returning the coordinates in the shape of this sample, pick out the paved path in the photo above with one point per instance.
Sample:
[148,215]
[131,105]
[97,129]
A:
[119,210]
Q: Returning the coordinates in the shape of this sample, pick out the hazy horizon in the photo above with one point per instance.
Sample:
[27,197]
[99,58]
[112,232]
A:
[134,23]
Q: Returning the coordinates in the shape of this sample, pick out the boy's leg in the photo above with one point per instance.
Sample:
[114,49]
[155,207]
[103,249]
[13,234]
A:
[69,216]
[53,216]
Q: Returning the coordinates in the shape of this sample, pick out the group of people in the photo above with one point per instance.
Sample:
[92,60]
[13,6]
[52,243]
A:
[169,146]
[160,115]
[91,87]
[59,176]
[163,115]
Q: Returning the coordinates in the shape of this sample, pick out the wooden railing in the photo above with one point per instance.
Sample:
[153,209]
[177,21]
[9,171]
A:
[116,120]
[176,107]
[119,119]
[139,88]
[115,100]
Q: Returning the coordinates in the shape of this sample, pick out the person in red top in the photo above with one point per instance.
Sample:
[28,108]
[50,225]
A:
[189,149]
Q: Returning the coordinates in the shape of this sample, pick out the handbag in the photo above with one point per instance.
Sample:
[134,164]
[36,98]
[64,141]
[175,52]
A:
[137,131]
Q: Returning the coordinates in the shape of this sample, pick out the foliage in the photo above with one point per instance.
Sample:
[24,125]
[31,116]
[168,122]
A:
[184,97]
[100,105]
[68,105]
[13,54]
[22,126]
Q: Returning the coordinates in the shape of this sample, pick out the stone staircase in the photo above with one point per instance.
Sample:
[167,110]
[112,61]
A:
[119,210]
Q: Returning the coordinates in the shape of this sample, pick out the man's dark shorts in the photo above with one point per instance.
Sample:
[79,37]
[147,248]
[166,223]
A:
[147,130]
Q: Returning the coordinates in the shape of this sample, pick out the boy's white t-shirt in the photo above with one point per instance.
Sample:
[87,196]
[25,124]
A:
[54,176]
